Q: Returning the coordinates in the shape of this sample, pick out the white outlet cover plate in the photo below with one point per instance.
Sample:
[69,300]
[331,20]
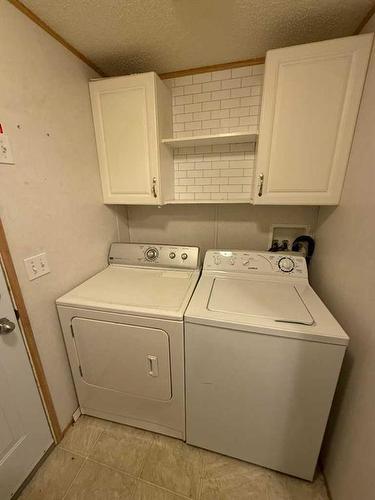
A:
[6,154]
[36,266]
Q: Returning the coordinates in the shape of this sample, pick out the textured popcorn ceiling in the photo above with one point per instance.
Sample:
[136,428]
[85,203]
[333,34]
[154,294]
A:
[126,36]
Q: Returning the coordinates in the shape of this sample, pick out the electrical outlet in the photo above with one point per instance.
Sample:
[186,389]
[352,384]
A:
[6,155]
[36,266]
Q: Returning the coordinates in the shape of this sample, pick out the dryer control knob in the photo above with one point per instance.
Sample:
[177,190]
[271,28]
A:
[172,255]
[184,256]
[286,264]
[152,254]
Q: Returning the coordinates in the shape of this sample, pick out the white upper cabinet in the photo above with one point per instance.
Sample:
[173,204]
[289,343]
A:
[131,114]
[310,104]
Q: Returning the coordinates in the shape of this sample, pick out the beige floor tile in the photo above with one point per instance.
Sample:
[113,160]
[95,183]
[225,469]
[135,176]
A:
[54,476]
[146,491]
[233,487]
[304,490]
[222,474]
[226,478]
[174,465]
[98,482]
[277,487]
[82,436]
[123,447]
[214,464]
[167,463]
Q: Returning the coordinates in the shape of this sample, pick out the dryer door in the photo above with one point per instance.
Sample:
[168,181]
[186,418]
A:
[125,358]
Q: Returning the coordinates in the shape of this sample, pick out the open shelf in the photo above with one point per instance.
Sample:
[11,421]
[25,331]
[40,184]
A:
[203,140]
[208,202]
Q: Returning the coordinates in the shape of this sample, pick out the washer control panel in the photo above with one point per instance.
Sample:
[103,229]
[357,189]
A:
[151,255]
[281,263]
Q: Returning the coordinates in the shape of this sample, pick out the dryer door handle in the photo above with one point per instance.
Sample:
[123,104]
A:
[153,368]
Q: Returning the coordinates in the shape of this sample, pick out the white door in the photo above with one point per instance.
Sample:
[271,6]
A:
[310,104]
[124,111]
[24,432]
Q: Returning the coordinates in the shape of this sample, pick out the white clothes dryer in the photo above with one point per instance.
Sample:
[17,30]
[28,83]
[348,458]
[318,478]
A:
[124,334]
[263,356]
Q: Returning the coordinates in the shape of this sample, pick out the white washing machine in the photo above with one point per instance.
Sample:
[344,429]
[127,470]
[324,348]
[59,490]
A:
[263,356]
[124,334]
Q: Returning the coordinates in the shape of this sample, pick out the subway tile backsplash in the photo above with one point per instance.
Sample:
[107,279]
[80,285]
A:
[217,172]
[216,103]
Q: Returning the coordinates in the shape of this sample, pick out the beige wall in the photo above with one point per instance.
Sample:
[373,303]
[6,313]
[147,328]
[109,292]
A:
[370,26]
[343,274]
[50,199]
[211,226]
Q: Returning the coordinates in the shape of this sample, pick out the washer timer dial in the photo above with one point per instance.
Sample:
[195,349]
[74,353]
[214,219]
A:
[286,264]
[151,254]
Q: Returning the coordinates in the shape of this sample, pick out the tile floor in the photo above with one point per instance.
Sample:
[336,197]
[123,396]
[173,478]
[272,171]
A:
[99,460]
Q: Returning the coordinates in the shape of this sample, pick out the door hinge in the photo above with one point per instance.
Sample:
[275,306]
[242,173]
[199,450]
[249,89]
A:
[80,370]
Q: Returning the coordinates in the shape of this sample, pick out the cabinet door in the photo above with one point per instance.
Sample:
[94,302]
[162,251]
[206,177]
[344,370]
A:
[310,104]
[124,111]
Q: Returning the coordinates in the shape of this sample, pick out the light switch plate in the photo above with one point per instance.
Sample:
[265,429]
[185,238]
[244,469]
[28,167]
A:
[6,155]
[36,266]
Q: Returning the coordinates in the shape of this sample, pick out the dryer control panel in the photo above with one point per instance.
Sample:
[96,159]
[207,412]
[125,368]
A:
[262,263]
[154,255]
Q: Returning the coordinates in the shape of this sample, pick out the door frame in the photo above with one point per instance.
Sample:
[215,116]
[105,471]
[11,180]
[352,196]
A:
[6,263]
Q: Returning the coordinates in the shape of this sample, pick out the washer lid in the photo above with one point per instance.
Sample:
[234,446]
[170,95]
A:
[135,290]
[278,301]
[236,304]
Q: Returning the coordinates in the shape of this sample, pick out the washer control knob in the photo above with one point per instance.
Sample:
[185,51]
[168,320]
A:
[245,262]
[184,256]
[217,260]
[232,261]
[286,264]
[172,255]
[151,254]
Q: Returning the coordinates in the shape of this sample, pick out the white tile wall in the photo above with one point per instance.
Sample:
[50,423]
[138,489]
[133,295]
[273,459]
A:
[216,103]
[213,103]
[217,172]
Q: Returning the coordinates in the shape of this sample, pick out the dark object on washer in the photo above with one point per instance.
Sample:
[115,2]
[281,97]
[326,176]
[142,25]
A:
[305,242]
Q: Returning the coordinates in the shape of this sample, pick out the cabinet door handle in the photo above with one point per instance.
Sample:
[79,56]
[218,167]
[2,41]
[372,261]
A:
[261,179]
[154,187]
